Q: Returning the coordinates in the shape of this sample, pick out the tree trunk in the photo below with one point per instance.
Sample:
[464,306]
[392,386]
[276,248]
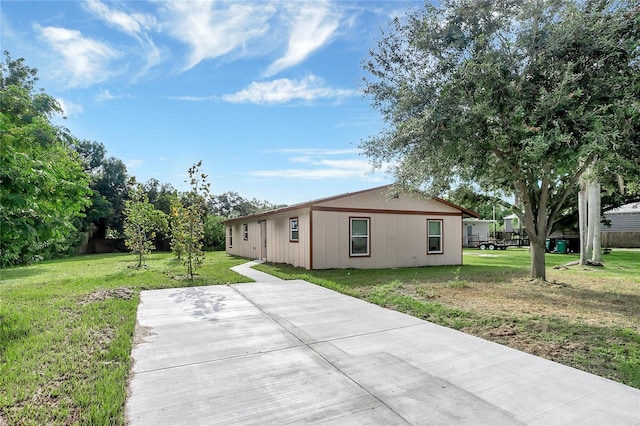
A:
[538,270]
[594,220]
[582,221]
[589,245]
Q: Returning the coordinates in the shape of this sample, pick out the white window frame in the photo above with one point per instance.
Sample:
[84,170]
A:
[245,231]
[367,236]
[231,236]
[440,236]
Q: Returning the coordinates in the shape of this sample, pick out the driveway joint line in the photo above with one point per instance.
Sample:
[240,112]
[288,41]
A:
[190,364]
[308,345]
[369,333]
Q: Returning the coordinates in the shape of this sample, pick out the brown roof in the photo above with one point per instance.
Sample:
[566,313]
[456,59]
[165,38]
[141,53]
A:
[466,212]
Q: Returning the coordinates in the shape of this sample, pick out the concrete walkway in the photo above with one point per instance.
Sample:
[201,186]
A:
[290,352]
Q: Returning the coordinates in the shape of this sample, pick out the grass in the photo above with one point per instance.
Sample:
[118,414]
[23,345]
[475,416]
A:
[66,329]
[66,326]
[584,317]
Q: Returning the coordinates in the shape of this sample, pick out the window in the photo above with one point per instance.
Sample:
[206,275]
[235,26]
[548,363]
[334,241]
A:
[359,229]
[245,231]
[231,236]
[294,233]
[434,237]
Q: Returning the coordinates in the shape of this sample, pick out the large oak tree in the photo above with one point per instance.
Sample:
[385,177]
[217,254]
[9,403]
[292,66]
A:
[515,96]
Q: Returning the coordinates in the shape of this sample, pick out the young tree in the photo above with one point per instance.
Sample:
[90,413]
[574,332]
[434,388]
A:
[141,223]
[520,97]
[190,222]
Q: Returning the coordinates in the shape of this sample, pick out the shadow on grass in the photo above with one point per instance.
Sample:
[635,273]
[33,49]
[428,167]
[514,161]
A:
[356,278]
[617,303]
[22,272]
[12,328]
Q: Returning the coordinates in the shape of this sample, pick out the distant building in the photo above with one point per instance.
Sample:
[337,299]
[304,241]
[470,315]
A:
[475,230]
[623,228]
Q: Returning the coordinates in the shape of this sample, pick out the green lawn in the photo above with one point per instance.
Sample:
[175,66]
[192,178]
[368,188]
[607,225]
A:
[66,330]
[66,326]
[584,317]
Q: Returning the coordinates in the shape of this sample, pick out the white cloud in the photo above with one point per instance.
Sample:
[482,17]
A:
[131,24]
[313,27]
[69,109]
[215,29]
[106,95]
[193,98]
[134,24]
[321,167]
[285,90]
[317,151]
[133,164]
[85,61]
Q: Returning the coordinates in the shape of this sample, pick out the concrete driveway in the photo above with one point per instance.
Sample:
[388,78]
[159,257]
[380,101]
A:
[290,352]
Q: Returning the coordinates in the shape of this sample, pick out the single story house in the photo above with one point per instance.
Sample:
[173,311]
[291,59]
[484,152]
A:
[365,229]
[623,228]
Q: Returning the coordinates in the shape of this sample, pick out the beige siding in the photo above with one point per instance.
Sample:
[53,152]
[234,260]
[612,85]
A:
[246,248]
[278,248]
[378,200]
[396,240]
[398,232]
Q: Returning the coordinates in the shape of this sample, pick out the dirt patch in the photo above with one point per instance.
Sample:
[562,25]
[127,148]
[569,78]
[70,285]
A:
[101,294]
[141,334]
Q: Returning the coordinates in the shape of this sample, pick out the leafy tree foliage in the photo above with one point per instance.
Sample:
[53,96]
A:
[43,187]
[178,225]
[485,205]
[515,96]
[106,210]
[232,204]
[162,196]
[214,237]
[142,222]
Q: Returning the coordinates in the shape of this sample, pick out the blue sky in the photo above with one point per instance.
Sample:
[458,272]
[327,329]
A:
[266,94]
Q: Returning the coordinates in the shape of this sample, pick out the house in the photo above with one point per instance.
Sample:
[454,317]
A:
[622,227]
[365,229]
[475,230]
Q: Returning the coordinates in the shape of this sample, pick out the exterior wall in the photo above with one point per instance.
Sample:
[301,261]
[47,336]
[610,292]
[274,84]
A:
[245,248]
[624,229]
[396,240]
[279,248]
[621,239]
[479,232]
[397,234]
[378,200]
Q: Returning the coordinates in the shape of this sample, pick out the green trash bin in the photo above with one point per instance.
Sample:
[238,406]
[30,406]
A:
[561,246]
[548,244]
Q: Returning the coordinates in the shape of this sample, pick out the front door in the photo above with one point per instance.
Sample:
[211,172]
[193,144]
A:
[263,240]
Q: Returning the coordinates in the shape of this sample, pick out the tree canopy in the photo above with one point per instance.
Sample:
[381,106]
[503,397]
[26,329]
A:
[519,97]
[43,187]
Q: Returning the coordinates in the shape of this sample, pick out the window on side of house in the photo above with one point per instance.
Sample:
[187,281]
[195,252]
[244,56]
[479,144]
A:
[245,231]
[294,232]
[434,237]
[360,239]
[231,236]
